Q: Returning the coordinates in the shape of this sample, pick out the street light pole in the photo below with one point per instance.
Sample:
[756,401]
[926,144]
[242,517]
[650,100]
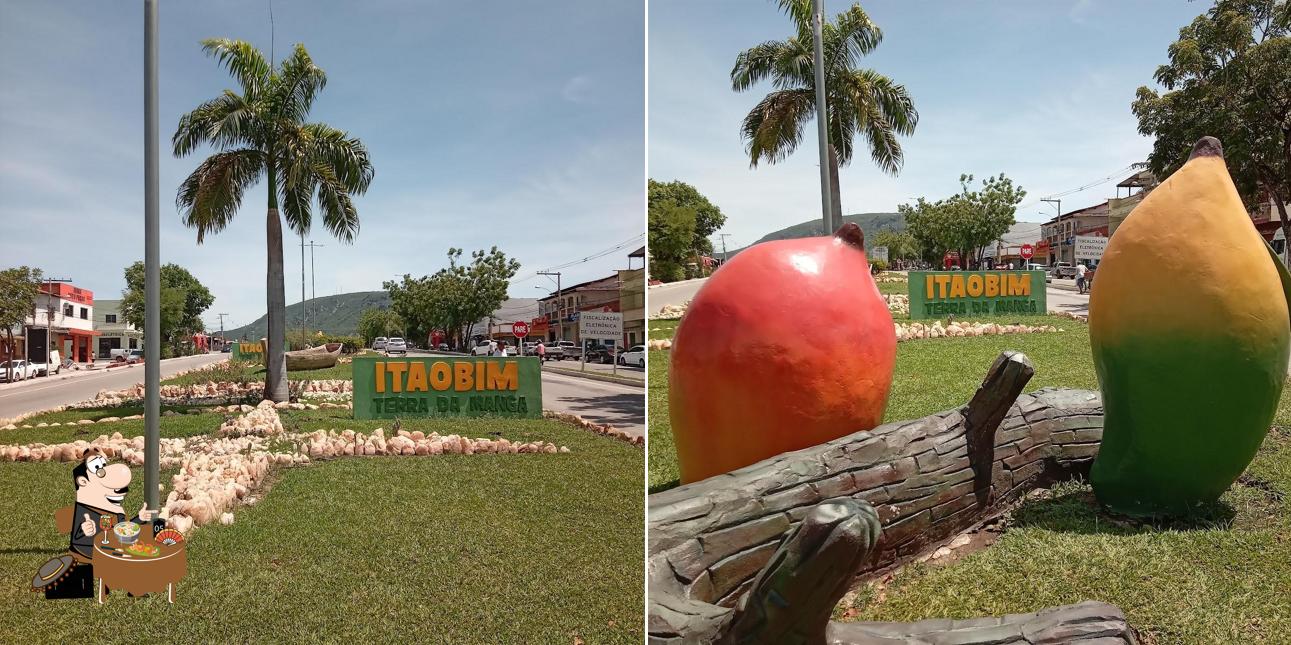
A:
[1058,205]
[560,305]
[313,288]
[724,236]
[822,125]
[152,267]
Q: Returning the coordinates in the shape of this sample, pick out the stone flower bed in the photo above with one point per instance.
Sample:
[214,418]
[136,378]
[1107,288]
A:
[957,329]
[670,312]
[898,303]
[605,430]
[219,473]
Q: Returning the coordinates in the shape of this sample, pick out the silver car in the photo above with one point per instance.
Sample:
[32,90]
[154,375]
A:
[21,370]
[396,346]
[379,344]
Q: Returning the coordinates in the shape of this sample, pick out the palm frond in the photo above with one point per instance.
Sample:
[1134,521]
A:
[297,85]
[773,128]
[225,121]
[209,198]
[296,186]
[345,155]
[243,61]
[339,215]
[851,36]
[757,63]
[799,11]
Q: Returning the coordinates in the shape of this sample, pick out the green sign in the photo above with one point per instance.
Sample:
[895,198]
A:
[447,386]
[937,294]
[248,351]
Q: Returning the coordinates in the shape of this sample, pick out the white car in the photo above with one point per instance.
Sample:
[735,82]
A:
[379,344]
[396,346]
[42,369]
[483,348]
[21,370]
[634,356]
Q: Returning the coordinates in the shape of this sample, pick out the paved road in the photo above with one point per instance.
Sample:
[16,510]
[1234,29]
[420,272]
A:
[678,293]
[622,406]
[45,393]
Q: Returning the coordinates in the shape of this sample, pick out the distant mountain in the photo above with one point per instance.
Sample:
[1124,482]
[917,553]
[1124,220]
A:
[870,223]
[337,314]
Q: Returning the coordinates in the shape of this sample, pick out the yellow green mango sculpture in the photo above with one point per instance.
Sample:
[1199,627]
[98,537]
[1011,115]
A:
[1189,326]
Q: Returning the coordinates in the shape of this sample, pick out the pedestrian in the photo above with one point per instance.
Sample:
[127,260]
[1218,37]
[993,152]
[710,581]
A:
[1080,277]
[541,350]
[500,349]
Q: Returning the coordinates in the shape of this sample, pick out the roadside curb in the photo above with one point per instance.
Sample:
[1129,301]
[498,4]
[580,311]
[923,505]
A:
[595,376]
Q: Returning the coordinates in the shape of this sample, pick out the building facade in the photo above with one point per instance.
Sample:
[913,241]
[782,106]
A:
[1058,235]
[115,332]
[63,320]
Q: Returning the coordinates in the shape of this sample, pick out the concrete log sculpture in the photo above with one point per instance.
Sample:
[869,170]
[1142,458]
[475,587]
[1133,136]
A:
[764,553]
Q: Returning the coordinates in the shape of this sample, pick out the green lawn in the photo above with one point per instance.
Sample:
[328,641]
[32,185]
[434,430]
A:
[244,372]
[481,548]
[1218,578]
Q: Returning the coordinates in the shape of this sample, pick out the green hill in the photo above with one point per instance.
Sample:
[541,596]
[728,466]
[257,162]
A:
[870,223]
[337,314]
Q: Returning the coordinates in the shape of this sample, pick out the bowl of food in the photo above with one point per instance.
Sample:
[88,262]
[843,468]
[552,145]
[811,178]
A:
[126,532]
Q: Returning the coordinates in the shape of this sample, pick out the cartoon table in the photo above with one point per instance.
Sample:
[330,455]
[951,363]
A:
[138,575]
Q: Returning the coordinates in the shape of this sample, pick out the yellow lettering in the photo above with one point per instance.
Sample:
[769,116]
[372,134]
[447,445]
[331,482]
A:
[396,372]
[992,285]
[417,377]
[381,376]
[957,286]
[975,286]
[441,376]
[929,283]
[504,376]
[463,380]
[942,281]
[479,375]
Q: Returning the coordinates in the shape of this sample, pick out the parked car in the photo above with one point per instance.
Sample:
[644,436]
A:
[379,344]
[1063,270]
[228,348]
[603,354]
[634,356]
[443,347]
[21,370]
[42,369]
[483,348]
[568,349]
[396,346]
[123,352]
[1035,267]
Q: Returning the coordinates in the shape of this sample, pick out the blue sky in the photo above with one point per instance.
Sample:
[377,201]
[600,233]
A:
[1040,91]
[516,124]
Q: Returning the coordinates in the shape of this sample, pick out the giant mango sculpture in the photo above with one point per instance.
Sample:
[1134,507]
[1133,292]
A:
[1190,330]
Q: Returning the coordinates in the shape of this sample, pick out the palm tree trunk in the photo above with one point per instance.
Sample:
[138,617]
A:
[275,381]
[835,202]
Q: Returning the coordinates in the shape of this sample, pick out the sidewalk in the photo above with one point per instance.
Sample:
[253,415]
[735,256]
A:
[99,367]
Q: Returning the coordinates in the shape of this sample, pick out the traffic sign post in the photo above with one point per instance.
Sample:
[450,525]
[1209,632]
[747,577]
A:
[600,324]
[1027,252]
[520,329]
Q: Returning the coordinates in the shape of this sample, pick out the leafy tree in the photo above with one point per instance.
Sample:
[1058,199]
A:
[671,232]
[901,244]
[19,287]
[375,322]
[183,301]
[1228,76]
[708,218]
[455,297]
[861,102]
[261,132]
[966,222]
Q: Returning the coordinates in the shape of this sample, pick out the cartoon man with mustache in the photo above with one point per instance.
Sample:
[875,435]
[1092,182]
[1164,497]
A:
[100,489]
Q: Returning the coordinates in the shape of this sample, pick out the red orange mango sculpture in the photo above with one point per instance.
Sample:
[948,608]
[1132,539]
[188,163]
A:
[787,345]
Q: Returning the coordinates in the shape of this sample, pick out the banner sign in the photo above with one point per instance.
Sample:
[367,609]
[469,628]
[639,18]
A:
[936,294]
[248,351]
[1089,247]
[441,386]
[600,324]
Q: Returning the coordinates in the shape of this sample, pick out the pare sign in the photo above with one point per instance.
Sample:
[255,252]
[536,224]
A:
[435,386]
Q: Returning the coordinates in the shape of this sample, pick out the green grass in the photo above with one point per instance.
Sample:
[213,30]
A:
[183,425]
[1219,577]
[480,548]
[901,287]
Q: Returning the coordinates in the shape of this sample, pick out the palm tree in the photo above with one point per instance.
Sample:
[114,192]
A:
[860,101]
[261,133]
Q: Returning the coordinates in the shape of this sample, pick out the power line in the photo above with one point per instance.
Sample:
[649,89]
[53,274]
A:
[1087,186]
[599,254]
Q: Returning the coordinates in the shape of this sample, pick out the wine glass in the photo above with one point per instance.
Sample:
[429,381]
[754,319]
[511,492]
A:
[106,522]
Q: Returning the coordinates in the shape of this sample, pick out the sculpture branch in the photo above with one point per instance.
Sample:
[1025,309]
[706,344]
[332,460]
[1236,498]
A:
[783,539]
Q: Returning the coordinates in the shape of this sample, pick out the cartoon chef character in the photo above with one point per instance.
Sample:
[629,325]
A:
[100,488]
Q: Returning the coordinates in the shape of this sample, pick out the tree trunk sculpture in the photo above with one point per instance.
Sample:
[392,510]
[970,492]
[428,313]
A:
[764,553]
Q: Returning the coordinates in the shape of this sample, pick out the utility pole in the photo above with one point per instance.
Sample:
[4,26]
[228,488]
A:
[1052,260]
[560,305]
[723,236]
[302,282]
[222,338]
[49,318]
[313,291]
[152,267]
[822,124]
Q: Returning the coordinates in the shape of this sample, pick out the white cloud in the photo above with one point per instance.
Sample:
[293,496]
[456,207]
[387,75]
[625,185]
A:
[577,90]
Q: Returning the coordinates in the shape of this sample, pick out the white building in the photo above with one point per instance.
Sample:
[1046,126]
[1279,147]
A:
[67,313]
[116,332]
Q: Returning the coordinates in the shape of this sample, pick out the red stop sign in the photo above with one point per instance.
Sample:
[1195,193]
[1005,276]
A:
[520,329]
[1026,251]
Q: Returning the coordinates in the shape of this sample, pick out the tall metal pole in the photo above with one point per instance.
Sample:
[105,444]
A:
[152,267]
[822,124]
[302,283]
[313,288]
